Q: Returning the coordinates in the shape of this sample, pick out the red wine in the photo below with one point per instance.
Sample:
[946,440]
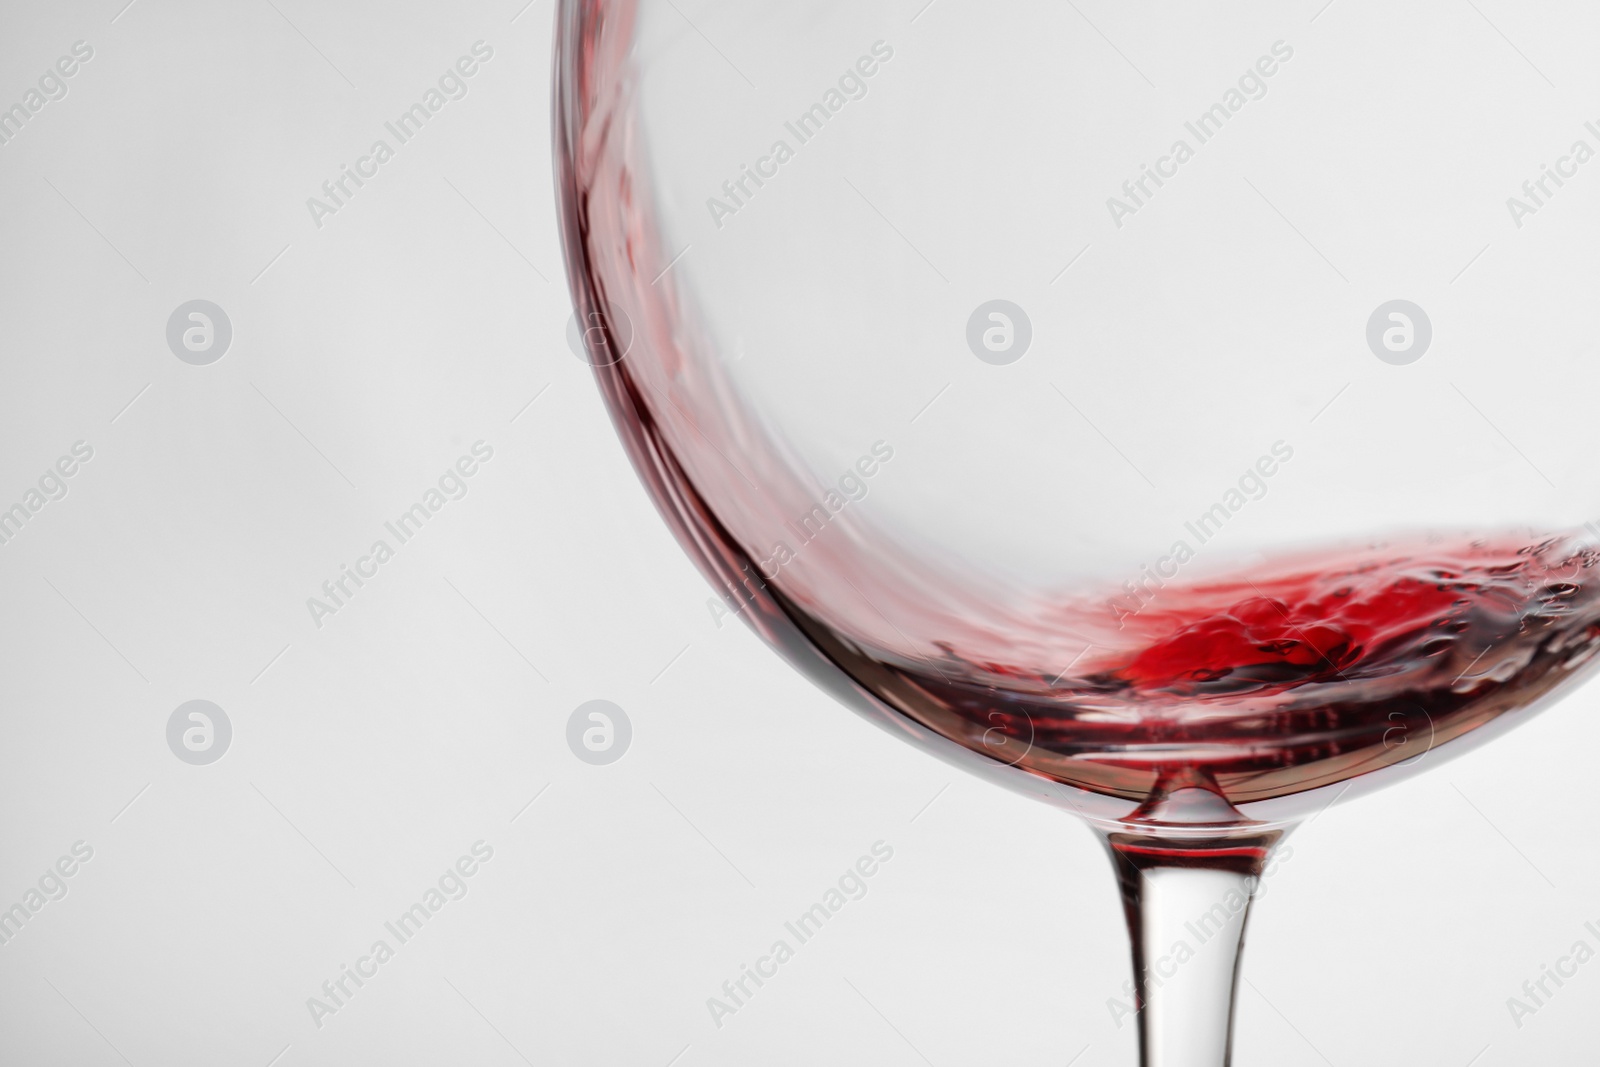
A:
[1276,681]
[1279,678]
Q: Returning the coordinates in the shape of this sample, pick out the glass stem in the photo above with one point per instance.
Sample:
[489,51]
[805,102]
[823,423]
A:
[1187,893]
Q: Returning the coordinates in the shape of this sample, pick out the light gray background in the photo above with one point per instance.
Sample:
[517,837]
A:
[370,753]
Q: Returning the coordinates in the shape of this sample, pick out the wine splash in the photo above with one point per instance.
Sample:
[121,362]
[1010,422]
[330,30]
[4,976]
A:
[1275,681]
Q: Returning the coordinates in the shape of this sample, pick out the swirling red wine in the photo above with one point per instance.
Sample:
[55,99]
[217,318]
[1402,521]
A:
[1272,682]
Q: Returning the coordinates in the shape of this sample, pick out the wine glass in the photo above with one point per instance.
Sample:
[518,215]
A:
[1149,409]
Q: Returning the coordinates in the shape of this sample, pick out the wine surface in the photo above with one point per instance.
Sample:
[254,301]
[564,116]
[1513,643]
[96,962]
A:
[1271,682]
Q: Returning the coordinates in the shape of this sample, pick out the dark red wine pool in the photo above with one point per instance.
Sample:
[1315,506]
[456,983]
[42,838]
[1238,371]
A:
[1275,681]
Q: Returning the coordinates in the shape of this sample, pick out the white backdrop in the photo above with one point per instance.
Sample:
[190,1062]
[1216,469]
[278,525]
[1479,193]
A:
[371,349]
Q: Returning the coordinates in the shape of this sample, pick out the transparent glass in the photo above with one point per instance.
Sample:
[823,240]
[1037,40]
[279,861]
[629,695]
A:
[1149,408]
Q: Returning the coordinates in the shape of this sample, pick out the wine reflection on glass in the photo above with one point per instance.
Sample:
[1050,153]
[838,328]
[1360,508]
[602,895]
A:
[1106,541]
